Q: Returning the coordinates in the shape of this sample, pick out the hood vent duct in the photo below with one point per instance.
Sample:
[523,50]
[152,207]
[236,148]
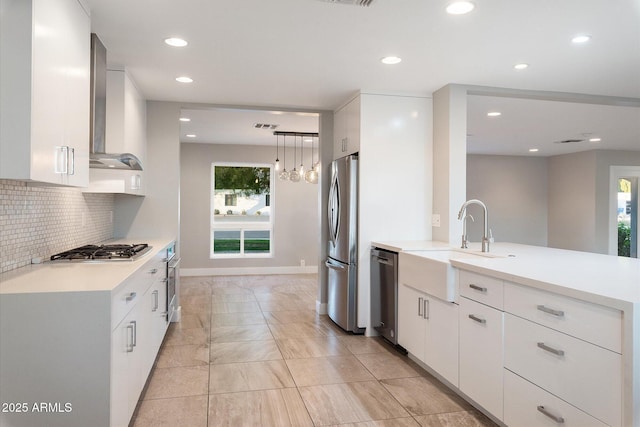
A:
[98,157]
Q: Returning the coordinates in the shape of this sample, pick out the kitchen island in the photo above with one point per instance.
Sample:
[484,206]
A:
[541,324]
[78,339]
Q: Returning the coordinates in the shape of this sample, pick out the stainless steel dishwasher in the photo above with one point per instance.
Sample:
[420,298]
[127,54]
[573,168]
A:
[384,293]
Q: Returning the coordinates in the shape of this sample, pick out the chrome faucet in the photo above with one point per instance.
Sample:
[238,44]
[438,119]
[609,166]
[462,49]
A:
[464,230]
[461,216]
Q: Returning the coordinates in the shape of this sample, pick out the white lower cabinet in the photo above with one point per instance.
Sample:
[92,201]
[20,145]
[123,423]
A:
[526,404]
[127,360]
[428,329]
[481,355]
[580,373]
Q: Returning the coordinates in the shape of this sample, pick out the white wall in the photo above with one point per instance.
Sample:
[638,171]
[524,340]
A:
[450,156]
[395,178]
[515,190]
[157,214]
[294,209]
[572,183]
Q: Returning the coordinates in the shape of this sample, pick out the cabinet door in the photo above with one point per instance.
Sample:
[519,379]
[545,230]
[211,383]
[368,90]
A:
[158,315]
[123,371]
[481,354]
[411,323]
[77,54]
[60,99]
[47,139]
[352,143]
[441,346]
[339,132]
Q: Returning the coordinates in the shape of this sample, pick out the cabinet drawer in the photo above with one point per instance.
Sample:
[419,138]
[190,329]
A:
[584,375]
[591,322]
[525,404]
[484,289]
[127,295]
[481,354]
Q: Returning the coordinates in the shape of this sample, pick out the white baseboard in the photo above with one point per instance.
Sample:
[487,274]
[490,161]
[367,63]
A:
[321,307]
[245,271]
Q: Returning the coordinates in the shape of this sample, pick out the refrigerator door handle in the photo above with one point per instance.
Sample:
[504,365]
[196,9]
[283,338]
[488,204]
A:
[334,266]
[333,209]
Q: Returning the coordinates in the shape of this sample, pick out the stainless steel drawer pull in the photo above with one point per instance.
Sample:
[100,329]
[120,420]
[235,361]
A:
[135,334]
[478,288]
[129,334]
[550,349]
[420,307]
[155,300]
[557,313]
[131,296]
[555,418]
[426,309]
[154,271]
[477,319]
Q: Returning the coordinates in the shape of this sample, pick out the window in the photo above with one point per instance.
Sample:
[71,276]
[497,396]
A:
[241,217]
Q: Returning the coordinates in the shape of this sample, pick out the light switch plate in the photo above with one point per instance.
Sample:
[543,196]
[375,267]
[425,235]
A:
[435,220]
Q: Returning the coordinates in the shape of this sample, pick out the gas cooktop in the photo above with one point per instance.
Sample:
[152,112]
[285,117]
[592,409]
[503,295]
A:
[111,252]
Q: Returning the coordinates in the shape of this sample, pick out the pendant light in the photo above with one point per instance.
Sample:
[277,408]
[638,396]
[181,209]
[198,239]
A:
[277,167]
[284,175]
[311,176]
[294,175]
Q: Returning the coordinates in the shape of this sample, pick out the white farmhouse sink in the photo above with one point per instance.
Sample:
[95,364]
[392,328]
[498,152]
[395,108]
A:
[431,271]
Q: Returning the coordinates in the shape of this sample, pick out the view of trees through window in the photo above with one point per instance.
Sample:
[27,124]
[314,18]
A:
[627,217]
[241,221]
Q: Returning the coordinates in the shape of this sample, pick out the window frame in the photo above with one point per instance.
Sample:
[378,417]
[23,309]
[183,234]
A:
[242,226]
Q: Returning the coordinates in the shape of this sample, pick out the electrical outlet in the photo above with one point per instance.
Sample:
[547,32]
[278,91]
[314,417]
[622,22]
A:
[302,263]
[435,220]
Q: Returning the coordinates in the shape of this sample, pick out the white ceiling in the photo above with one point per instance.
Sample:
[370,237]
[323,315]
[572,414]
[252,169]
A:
[313,54]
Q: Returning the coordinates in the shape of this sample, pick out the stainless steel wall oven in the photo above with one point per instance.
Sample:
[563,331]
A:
[173,264]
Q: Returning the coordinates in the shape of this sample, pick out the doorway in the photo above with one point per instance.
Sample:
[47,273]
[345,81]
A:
[625,209]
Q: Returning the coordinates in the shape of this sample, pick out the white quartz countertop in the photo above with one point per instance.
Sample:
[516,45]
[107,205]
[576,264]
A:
[411,245]
[603,279]
[67,276]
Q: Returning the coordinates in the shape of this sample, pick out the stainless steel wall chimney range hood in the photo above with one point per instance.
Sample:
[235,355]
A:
[98,157]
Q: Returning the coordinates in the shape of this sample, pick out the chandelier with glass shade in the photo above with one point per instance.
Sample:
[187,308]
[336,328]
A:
[310,175]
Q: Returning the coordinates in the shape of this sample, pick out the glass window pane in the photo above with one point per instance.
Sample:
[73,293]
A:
[257,241]
[226,242]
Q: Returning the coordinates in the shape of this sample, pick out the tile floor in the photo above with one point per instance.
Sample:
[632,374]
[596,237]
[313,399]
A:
[251,351]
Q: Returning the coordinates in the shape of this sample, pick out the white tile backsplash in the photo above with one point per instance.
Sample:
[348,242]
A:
[41,221]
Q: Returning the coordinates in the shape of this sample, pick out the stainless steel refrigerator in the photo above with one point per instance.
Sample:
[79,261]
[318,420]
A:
[342,211]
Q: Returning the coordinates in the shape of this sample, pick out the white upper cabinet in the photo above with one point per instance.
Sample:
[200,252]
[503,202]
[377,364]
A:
[44,81]
[125,132]
[346,138]
[126,116]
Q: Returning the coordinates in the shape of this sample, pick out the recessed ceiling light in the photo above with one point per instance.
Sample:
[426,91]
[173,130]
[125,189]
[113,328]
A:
[176,42]
[533,150]
[460,7]
[185,119]
[521,66]
[494,113]
[583,38]
[595,139]
[190,135]
[184,79]
[391,60]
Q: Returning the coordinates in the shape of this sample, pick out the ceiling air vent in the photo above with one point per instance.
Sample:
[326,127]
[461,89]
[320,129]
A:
[264,126]
[350,2]
[568,141]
